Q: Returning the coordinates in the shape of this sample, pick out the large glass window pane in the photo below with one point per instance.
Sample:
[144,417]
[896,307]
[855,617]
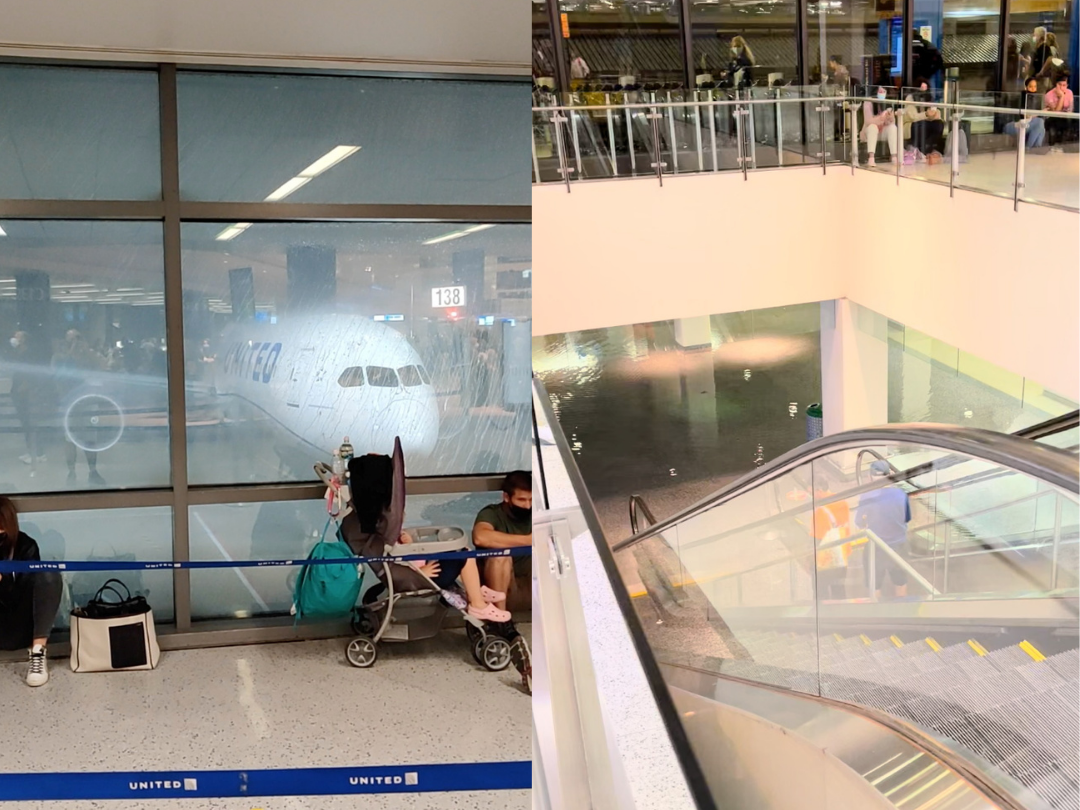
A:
[865,38]
[543,53]
[299,335]
[83,396]
[107,535]
[737,44]
[1040,42]
[621,42]
[283,530]
[350,140]
[966,36]
[79,134]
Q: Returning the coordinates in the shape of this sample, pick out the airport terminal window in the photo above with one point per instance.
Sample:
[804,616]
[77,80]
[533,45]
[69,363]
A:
[382,377]
[351,377]
[83,392]
[278,316]
[768,29]
[106,535]
[543,52]
[280,530]
[1027,56]
[867,37]
[79,134]
[410,377]
[335,139]
[622,42]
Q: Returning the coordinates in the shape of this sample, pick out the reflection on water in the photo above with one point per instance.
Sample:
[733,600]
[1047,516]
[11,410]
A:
[644,416]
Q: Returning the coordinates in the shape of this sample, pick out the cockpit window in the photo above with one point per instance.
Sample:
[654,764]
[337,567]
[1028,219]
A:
[424,375]
[352,377]
[382,377]
[410,377]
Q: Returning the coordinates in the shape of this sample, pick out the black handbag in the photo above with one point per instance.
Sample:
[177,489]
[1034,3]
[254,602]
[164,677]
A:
[125,604]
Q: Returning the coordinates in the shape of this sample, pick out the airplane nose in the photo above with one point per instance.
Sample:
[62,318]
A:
[416,421]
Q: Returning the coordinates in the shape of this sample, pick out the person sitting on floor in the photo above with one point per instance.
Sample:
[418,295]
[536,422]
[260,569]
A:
[28,601]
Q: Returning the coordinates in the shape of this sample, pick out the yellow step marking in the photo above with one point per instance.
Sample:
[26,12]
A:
[838,637]
[1029,648]
[865,640]
[896,641]
[976,646]
[933,644]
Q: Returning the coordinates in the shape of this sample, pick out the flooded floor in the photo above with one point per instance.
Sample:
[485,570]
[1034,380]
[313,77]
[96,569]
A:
[644,416]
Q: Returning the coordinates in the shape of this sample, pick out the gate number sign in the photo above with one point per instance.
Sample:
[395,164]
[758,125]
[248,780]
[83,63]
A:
[442,297]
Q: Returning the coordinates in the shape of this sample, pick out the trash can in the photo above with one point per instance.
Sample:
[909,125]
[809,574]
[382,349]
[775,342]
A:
[813,422]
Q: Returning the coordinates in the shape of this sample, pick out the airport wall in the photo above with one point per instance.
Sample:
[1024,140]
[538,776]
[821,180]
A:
[970,271]
[455,36]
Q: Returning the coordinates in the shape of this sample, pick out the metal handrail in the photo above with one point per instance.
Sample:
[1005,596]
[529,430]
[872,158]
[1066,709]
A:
[1048,464]
[638,503]
[807,100]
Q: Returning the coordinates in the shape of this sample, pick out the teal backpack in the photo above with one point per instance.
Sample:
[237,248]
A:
[327,591]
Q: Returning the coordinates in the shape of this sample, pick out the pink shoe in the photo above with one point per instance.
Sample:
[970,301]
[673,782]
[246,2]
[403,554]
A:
[490,596]
[489,613]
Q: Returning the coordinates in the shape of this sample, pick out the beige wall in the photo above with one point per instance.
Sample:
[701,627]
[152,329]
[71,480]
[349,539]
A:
[466,36]
[970,271]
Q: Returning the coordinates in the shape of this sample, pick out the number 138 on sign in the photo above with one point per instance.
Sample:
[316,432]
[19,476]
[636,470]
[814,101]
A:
[447,297]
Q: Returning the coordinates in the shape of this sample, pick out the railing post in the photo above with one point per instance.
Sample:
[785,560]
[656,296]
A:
[577,141]
[854,138]
[954,158]
[712,132]
[779,129]
[674,143]
[897,148]
[1021,144]
[611,136]
[739,134]
[564,168]
[630,137]
[751,131]
[821,118]
[697,131]
[654,119]
[535,161]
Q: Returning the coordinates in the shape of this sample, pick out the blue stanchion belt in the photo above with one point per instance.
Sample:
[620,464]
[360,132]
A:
[24,566]
[284,782]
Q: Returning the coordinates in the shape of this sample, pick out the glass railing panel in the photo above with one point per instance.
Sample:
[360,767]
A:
[1051,170]
[545,148]
[719,130]
[1064,440]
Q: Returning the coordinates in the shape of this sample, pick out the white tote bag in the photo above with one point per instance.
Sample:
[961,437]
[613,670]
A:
[109,636]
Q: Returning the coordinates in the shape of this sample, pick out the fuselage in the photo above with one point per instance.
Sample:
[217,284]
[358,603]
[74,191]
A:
[329,376]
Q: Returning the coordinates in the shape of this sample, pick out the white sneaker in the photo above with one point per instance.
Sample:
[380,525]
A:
[25,458]
[38,673]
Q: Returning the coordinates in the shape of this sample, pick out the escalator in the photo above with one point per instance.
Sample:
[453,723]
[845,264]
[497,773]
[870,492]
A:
[784,586]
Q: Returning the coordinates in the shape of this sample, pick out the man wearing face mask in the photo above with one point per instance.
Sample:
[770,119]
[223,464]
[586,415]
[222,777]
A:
[508,525]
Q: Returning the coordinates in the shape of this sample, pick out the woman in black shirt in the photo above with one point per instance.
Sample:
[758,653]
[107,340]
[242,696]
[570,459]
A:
[28,601]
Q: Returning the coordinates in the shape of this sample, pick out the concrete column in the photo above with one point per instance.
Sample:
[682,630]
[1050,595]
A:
[242,294]
[693,333]
[854,367]
[312,278]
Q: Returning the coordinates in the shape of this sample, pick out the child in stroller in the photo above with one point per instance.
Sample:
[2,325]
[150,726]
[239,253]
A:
[373,528]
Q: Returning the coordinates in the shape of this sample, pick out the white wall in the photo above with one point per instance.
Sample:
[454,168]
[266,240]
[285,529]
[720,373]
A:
[461,36]
[970,271]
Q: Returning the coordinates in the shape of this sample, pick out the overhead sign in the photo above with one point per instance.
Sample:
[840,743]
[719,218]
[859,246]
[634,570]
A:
[389,318]
[443,297]
[565,20]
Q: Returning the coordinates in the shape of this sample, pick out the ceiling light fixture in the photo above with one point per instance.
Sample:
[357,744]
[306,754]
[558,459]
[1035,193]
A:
[323,164]
[3,232]
[446,237]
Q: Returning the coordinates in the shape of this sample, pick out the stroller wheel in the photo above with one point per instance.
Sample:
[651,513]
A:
[361,652]
[494,653]
[474,636]
[362,624]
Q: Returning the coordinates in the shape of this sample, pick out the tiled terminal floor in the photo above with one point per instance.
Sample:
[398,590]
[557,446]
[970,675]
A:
[295,705]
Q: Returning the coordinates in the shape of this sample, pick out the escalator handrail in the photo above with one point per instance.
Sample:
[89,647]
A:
[1046,463]
[637,503]
[966,764]
[1056,424]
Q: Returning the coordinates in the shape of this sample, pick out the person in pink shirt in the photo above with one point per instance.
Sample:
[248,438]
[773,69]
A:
[1059,99]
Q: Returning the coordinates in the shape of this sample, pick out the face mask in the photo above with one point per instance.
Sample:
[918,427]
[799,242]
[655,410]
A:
[520,513]
[734,51]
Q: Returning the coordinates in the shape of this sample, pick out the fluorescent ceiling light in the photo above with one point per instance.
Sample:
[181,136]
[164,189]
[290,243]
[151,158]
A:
[3,232]
[128,289]
[288,188]
[446,237]
[233,231]
[329,160]
[62,286]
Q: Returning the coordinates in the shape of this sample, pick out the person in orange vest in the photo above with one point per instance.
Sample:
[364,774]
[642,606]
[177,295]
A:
[832,522]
